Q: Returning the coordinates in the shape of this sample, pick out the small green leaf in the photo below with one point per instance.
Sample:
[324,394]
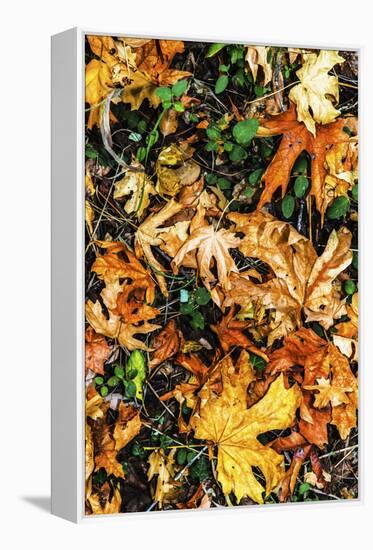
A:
[181,456]
[119,371]
[141,127]
[213,132]
[300,186]
[355,260]
[244,131]
[300,166]
[136,362]
[99,380]
[255,176]
[202,296]
[164,93]
[257,362]
[179,88]
[197,321]
[303,488]
[223,183]
[184,296]
[134,136]
[228,146]
[138,450]
[104,391]
[141,154]
[338,208]
[179,107]
[186,309]
[221,83]
[211,146]
[131,374]
[224,68]
[355,192]
[249,192]
[214,49]
[130,389]
[237,154]
[211,179]
[113,381]
[152,138]
[287,206]
[349,287]
[199,470]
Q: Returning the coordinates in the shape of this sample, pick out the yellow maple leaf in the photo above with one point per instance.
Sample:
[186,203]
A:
[234,429]
[312,95]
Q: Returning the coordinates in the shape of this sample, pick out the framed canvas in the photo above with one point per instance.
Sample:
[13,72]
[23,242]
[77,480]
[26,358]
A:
[204,275]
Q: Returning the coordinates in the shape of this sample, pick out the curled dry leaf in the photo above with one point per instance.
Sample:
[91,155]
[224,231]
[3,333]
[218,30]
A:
[148,235]
[162,466]
[105,501]
[210,245]
[97,351]
[140,187]
[257,56]
[175,169]
[303,281]
[314,94]
[166,344]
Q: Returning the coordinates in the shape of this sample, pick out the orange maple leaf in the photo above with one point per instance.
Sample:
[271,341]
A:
[296,139]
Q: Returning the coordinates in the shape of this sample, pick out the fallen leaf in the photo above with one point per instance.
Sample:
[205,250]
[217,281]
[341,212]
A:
[97,351]
[175,169]
[162,465]
[303,281]
[210,245]
[147,235]
[225,421]
[316,89]
[296,138]
[127,426]
[256,56]
[140,187]
[166,344]
[101,502]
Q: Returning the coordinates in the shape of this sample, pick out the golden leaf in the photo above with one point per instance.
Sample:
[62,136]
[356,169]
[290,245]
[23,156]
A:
[256,56]
[226,421]
[148,235]
[101,503]
[162,466]
[140,187]
[98,84]
[127,426]
[211,245]
[312,95]
[175,169]
[303,280]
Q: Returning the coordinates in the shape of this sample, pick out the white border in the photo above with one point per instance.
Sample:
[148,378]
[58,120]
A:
[64,490]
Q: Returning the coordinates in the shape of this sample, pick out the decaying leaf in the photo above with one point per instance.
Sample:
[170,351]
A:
[162,466]
[210,245]
[303,281]
[226,421]
[316,89]
[257,56]
[97,351]
[175,169]
[165,344]
[140,187]
[105,501]
[297,138]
